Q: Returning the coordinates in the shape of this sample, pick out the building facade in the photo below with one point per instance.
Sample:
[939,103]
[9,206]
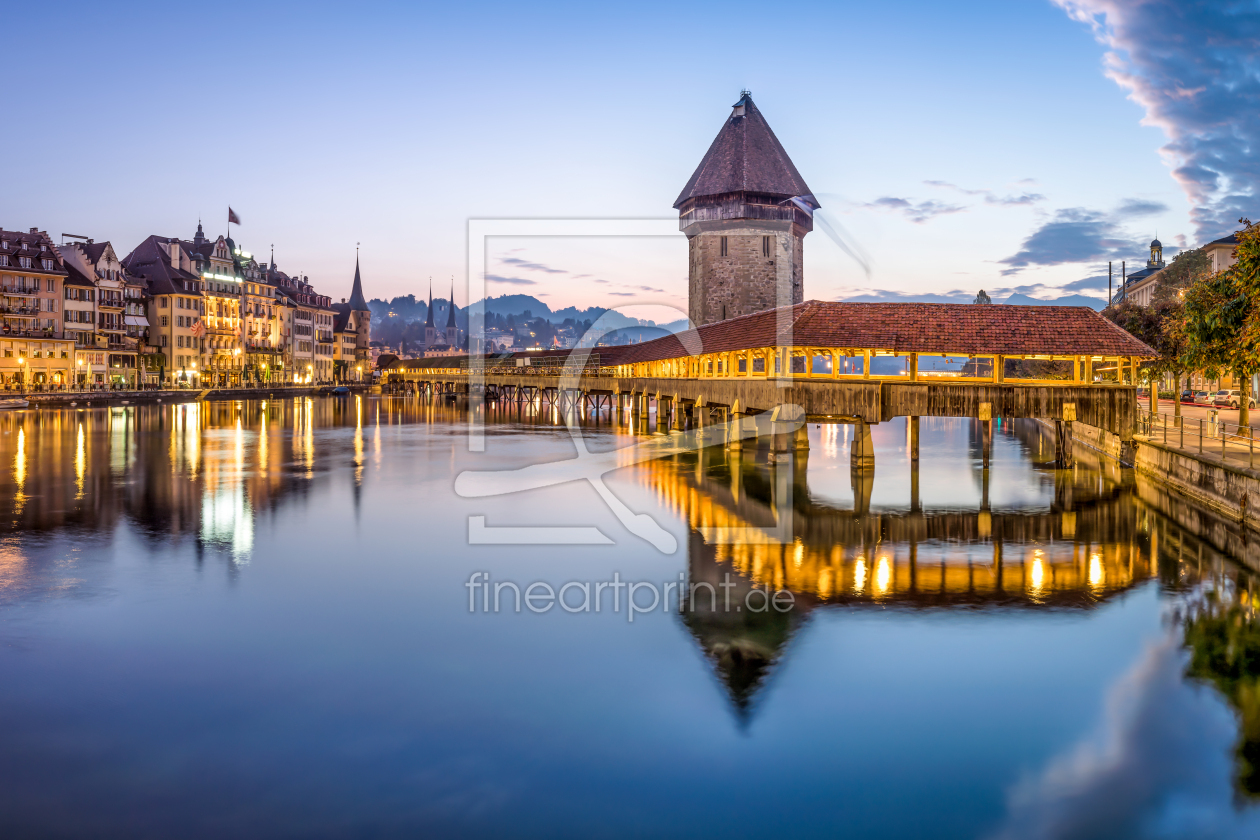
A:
[33,351]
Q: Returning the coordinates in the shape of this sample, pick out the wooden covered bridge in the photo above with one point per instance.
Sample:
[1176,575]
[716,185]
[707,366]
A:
[858,363]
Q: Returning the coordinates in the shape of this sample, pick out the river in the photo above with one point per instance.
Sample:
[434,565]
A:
[295,618]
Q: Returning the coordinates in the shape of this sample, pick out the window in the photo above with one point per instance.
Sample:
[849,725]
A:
[48,267]
[165,321]
[162,302]
[765,246]
[724,246]
[25,262]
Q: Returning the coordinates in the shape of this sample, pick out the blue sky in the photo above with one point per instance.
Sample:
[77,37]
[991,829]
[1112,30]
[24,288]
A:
[1000,145]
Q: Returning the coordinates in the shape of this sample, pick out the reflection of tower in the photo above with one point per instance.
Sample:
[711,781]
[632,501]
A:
[745,211]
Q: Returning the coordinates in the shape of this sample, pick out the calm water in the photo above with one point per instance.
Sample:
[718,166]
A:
[252,620]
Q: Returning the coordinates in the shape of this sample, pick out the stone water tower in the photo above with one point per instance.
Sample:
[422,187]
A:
[745,211]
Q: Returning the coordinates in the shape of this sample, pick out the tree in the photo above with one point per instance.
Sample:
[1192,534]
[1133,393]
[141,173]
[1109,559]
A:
[982,298]
[1220,328]
[1160,327]
[1186,268]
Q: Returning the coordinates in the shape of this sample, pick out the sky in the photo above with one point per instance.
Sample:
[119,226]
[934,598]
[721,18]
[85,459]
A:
[1014,145]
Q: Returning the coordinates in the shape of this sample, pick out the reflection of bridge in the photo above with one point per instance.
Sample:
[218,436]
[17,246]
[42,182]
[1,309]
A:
[754,526]
[839,362]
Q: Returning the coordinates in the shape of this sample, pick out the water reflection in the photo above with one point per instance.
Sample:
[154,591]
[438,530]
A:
[1015,541]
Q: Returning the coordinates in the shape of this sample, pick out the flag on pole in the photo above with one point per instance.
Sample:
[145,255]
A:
[233,219]
[199,328]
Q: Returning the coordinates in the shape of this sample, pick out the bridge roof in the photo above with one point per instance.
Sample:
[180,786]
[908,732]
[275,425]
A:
[975,329]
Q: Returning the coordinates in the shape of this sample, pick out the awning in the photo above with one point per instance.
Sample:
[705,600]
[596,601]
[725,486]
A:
[135,320]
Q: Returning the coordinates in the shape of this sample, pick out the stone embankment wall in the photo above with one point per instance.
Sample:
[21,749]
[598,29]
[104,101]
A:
[1227,489]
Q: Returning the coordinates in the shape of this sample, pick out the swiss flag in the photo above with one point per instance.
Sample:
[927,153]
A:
[233,219]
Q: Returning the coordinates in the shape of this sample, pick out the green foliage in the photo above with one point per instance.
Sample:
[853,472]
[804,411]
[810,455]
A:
[982,298]
[1185,269]
[1219,315]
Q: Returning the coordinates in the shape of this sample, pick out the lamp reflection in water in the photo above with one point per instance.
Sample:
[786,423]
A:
[19,471]
[80,462]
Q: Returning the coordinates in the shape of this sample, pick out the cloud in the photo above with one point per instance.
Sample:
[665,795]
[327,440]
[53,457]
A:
[1159,765]
[1072,235]
[622,294]
[1136,207]
[990,197]
[1097,283]
[1023,199]
[514,281]
[918,213]
[531,266]
[1191,67]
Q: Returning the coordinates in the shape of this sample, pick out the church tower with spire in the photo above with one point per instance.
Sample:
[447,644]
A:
[745,212]
[430,330]
[361,315]
[452,331]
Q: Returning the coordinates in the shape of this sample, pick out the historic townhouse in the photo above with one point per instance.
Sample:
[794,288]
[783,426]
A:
[117,354]
[261,327]
[32,349]
[308,330]
[173,275]
[222,354]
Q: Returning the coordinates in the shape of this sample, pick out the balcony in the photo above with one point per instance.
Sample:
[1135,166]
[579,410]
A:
[12,333]
[23,291]
[20,311]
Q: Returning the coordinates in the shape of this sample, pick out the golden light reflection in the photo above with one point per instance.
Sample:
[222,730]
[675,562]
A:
[1096,575]
[1037,576]
[883,575]
[80,462]
[859,576]
[19,467]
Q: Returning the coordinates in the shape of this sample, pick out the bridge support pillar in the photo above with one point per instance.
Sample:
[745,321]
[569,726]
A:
[862,453]
[679,414]
[1063,444]
[986,441]
[913,443]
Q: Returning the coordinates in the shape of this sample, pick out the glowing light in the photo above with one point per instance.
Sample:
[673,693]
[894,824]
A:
[80,462]
[883,575]
[1095,571]
[19,460]
[1038,575]
[859,576]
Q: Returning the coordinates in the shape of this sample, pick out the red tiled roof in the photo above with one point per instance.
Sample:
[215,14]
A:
[901,328]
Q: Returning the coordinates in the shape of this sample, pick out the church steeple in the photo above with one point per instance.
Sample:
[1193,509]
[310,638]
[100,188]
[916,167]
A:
[1157,254]
[429,321]
[357,302]
[450,312]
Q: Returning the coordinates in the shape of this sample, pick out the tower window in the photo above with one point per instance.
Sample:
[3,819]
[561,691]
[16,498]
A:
[724,246]
[765,246]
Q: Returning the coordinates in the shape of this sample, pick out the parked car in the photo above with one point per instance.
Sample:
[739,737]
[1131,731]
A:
[1190,396]
[1230,398]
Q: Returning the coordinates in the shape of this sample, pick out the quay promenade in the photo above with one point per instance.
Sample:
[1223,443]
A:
[60,399]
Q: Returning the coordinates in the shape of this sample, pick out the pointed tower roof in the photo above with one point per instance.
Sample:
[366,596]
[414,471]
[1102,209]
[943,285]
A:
[745,157]
[357,303]
[450,312]
[429,322]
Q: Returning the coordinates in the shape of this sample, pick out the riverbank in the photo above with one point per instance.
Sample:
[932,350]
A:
[1218,478]
[61,399]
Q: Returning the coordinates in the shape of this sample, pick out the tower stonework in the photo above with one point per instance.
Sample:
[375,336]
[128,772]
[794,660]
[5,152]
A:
[745,212]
